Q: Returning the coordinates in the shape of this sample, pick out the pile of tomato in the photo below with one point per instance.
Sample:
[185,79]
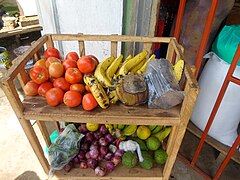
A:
[62,80]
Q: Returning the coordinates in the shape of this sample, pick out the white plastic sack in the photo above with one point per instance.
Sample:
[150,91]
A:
[225,124]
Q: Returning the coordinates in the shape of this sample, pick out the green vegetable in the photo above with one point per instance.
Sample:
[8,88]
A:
[160,156]
[141,143]
[147,160]
[129,159]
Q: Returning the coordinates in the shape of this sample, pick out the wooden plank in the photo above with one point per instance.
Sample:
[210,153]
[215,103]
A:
[37,108]
[43,128]
[81,46]
[49,42]
[56,125]
[170,51]
[20,61]
[23,77]
[114,47]
[214,143]
[154,15]
[122,38]
[148,47]
[119,173]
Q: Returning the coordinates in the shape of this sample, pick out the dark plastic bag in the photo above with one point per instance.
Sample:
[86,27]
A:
[163,89]
[65,148]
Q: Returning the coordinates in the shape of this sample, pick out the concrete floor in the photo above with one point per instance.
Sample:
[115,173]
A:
[19,162]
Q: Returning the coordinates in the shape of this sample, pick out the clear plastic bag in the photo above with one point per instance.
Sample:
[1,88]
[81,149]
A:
[65,148]
[163,89]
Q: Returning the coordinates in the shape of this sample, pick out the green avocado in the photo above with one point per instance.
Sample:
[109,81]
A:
[147,160]
[160,156]
[129,159]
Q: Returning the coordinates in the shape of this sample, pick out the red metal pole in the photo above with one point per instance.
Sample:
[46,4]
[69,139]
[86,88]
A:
[227,158]
[217,104]
[181,8]
[206,33]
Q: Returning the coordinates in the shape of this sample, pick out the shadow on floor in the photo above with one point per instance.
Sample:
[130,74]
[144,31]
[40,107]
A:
[28,175]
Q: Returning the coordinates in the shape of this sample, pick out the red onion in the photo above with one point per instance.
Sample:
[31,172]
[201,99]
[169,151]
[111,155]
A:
[108,156]
[83,129]
[94,153]
[100,171]
[100,157]
[103,150]
[102,141]
[88,137]
[109,138]
[119,153]
[116,160]
[109,166]
[81,156]
[87,155]
[103,129]
[84,147]
[76,160]
[83,165]
[92,163]
[93,146]
[68,167]
[97,135]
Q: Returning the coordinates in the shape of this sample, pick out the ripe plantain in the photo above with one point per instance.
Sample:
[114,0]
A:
[111,70]
[100,72]
[97,90]
[129,130]
[138,66]
[132,62]
[143,68]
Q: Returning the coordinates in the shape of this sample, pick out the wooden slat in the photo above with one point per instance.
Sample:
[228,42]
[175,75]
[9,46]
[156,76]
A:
[119,173]
[148,47]
[43,128]
[23,77]
[37,108]
[123,38]
[49,42]
[114,47]
[214,143]
[170,51]
[56,125]
[81,46]
[20,61]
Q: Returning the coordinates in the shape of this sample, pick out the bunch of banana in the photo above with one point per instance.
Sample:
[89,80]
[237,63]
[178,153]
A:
[142,69]
[137,67]
[161,135]
[126,67]
[112,69]
[155,128]
[118,126]
[100,72]
[129,130]
[109,127]
[178,69]
[112,95]
[97,90]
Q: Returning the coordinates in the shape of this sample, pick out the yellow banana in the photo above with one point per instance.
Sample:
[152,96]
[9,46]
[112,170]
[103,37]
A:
[178,69]
[161,135]
[129,130]
[100,72]
[109,127]
[97,90]
[138,66]
[143,68]
[112,95]
[113,67]
[131,63]
[126,60]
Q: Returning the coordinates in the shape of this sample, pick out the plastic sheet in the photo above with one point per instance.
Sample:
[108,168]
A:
[163,89]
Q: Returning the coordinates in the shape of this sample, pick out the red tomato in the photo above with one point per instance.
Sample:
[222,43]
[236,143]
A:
[54,96]
[38,74]
[89,102]
[72,98]
[73,56]
[40,62]
[52,60]
[69,63]
[62,84]
[44,87]
[56,70]
[96,61]
[86,64]
[52,52]
[31,88]
[78,87]
[73,75]
[87,88]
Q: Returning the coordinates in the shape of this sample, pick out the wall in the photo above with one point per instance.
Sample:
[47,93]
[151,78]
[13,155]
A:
[85,16]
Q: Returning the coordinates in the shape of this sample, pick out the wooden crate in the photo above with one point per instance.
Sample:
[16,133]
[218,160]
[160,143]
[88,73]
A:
[37,108]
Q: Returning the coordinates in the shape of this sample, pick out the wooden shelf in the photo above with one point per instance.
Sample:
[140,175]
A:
[37,108]
[214,143]
[119,172]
